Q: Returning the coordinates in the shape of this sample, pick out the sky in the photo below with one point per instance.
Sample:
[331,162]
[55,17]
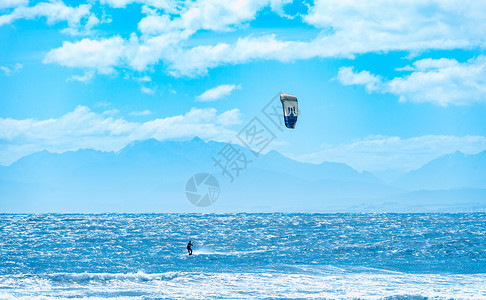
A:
[382,85]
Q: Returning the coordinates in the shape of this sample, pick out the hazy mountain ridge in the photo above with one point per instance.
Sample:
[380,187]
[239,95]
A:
[451,171]
[150,176]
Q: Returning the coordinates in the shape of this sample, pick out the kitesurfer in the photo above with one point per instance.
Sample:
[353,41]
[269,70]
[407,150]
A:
[189,249]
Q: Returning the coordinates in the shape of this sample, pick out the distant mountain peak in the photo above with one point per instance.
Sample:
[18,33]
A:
[150,141]
[274,154]
[450,171]
[458,153]
[197,139]
[141,144]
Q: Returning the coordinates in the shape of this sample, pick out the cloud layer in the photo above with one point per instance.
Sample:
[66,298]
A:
[218,92]
[83,128]
[438,81]
[9,70]
[54,11]
[387,25]
[378,153]
[347,28]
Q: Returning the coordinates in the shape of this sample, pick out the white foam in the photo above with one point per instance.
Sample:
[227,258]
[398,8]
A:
[208,252]
[326,284]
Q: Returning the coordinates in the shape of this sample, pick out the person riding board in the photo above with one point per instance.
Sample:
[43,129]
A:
[189,249]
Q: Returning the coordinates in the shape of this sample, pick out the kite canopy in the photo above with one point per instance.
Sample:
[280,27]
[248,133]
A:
[290,110]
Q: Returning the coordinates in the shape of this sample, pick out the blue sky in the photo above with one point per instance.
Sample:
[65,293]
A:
[387,85]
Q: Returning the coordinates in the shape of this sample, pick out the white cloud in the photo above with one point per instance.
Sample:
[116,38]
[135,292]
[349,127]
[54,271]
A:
[11,69]
[83,128]
[147,90]
[111,112]
[230,117]
[86,29]
[54,11]
[198,59]
[407,68]
[438,81]
[155,24]
[145,79]
[217,93]
[378,153]
[166,5]
[13,3]
[219,14]
[443,82]
[102,55]
[117,3]
[85,78]
[149,51]
[387,25]
[216,15]
[141,113]
[347,76]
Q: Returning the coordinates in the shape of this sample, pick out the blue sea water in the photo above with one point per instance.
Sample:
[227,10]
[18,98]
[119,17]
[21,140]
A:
[336,256]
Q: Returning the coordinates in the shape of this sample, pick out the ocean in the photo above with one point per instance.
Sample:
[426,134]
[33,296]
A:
[273,256]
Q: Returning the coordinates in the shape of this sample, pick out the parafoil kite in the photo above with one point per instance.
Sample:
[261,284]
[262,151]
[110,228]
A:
[290,109]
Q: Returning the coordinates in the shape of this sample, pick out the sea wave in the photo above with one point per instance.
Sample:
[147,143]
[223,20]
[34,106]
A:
[328,285]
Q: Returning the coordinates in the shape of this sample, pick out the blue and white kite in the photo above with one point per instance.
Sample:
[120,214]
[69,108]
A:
[290,110]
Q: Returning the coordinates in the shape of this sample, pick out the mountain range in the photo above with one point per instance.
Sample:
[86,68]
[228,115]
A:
[151,176]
